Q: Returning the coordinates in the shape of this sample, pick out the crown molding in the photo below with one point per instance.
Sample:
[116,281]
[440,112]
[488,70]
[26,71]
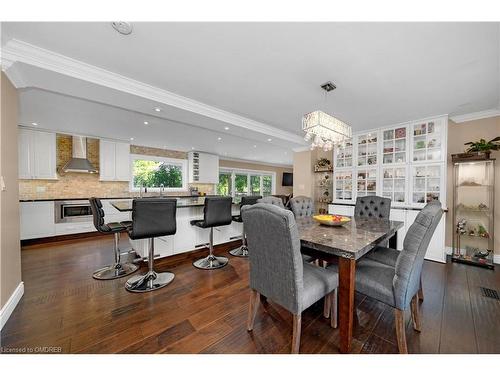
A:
[18,51]
[15,76]
[476,115]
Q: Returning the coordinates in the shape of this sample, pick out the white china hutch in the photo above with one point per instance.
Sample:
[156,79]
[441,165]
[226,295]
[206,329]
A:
[405,162]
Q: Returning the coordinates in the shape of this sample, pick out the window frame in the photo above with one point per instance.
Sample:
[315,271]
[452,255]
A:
[249,172]
[183,163]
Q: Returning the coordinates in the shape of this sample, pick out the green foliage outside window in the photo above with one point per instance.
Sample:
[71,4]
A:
[255,185]
[150,173]
[241,184]
[267,185]
[224,185]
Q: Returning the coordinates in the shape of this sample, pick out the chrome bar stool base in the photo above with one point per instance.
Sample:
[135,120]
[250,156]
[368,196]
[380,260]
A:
[211,262]
[115,271]
[149,282]
[241,252]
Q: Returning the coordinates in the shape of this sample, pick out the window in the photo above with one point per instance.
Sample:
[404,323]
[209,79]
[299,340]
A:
[153,172]
[238,182]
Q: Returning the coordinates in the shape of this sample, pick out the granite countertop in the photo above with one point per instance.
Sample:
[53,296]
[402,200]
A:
[182,202]
[108,198]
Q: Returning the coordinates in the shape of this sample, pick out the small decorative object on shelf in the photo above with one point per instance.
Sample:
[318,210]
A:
[473,209]
[323,184]
[479,150]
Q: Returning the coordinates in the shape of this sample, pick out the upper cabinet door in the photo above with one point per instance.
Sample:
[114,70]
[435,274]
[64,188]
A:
[367,149]
[427,141]
[394,145]
[107,159]
[343,155]
[37,155]
[25,154]
[44,155]
[122,161]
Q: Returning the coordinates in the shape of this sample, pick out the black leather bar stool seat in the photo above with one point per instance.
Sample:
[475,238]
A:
[117,269]
[242,251]
[216,212]
[151,218]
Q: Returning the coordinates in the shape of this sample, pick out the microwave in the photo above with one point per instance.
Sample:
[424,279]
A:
[72,211]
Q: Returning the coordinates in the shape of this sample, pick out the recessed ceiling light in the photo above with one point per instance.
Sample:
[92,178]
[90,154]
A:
[146,123]
[157,109]
[131,138]
[269,139]
[254,146]
[124,28]
[34,123]
[219,139]
[192,148]
[226,127]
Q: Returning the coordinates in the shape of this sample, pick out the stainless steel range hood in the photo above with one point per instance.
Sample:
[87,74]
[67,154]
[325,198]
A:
[79,162]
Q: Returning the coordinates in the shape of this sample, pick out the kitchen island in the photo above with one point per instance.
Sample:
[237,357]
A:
[188,237]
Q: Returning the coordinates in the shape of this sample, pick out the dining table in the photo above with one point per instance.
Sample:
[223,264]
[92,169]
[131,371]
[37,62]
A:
[348,243]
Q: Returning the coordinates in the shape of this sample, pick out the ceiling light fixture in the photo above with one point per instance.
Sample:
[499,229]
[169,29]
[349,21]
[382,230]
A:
[226,127]
[34,123]
[323,129]
[269,139]
[219,139]
[131,138]
[124,28]
[146,123]
[157,109]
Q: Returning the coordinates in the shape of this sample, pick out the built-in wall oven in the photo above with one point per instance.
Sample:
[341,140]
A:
[72,211]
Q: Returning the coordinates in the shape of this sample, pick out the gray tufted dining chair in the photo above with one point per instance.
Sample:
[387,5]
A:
[272,200]
[398,286]
[277,270]
[373,206]
[302,206]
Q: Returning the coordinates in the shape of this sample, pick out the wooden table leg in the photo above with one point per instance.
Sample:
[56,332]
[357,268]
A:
[347,268]
[393,241]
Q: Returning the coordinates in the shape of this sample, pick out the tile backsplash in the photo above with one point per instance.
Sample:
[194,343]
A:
[83,185]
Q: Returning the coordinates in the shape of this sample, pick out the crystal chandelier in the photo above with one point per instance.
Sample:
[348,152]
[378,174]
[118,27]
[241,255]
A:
[324,130]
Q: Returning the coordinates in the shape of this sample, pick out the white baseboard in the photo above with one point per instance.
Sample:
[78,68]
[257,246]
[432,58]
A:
[11,304]
[496,259]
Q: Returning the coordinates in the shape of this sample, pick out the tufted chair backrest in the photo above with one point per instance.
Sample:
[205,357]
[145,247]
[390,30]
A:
[373,206]
[98,215]
[302,206]
[275,201]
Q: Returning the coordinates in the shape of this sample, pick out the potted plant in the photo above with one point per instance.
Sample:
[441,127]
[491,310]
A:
[482,147]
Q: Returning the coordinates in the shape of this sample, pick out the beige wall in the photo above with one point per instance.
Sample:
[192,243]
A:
[281,190]
[83,185]
[303,163]
[458,134]
[10,252]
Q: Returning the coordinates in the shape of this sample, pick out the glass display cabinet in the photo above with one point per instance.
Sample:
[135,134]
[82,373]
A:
[394,184]
[344,155]
[367,149]
[473,215]
[343,186]
[394,151]
[324,189]
[366,182]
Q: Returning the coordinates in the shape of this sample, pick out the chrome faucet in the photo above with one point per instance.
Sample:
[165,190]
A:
[162,188]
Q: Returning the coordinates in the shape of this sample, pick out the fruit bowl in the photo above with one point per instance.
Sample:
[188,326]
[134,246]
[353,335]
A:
[332,220]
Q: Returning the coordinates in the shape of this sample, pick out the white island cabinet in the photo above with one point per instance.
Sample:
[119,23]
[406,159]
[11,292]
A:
[37,219]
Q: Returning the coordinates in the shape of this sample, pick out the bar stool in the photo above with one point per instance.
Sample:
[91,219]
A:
[216,212]
[242,251]
[117,269]
[151,218]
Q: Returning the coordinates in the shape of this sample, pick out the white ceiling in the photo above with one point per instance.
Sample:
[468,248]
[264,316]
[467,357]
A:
[385,73]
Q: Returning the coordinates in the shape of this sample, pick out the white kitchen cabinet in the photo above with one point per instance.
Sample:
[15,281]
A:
[186,235]
[338,209]
[37,155]
[203,168]
[37,219]
[114,161]
[73,228]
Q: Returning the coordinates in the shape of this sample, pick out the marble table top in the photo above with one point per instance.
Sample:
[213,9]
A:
[352,240]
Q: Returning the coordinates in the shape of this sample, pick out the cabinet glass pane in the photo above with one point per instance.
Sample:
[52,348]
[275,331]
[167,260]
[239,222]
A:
[427,141]
[344,155]
[394,147]
[366,182]
[367,149]
[343,185]
[426,183]
[394,184]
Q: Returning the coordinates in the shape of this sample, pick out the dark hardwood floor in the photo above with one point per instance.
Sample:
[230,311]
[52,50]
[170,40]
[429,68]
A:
[205,311]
